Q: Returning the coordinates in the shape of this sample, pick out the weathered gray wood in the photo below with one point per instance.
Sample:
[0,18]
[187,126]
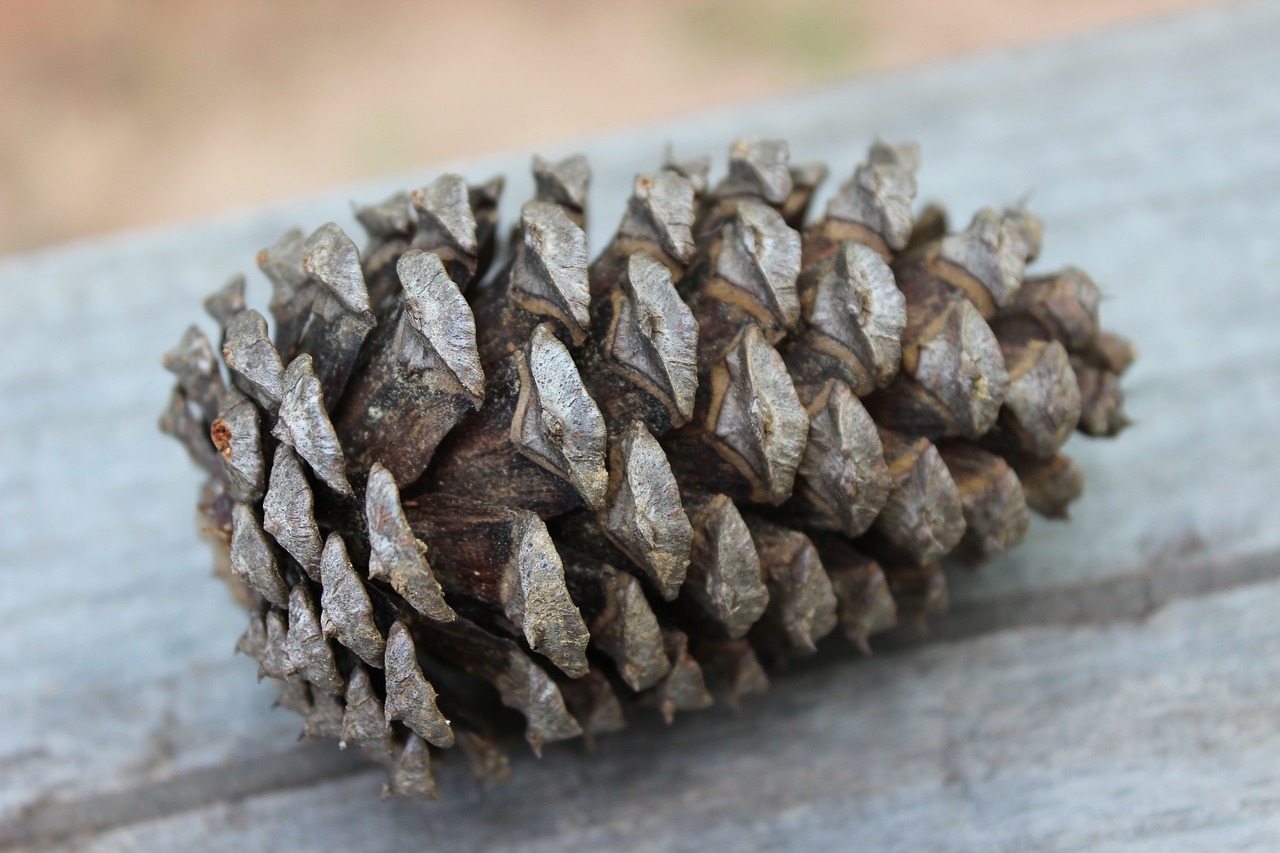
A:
[1096,738]
[1152,154]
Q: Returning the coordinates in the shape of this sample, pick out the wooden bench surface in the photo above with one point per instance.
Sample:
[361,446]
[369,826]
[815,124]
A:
[1114,683]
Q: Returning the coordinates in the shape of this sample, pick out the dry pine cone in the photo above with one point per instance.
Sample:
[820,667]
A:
[583,489]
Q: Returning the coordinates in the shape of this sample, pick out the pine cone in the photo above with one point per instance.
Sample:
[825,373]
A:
[593,488]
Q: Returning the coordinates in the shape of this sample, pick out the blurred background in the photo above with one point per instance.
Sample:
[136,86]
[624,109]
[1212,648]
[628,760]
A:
[121,113]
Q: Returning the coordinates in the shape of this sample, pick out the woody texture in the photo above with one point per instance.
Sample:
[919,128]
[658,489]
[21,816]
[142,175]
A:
[464,467]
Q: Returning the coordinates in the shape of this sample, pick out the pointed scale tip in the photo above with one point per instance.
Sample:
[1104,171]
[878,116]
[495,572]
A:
[843,481]
[292,289]
[1101,402]
[252,559]
[622,623]
[391,217]
[282,264]
[802,604]
[685,687]
[953,379]
[644,516]
[364,721]
[759,417]
[995,509]
[307,652]
[535,695]
[1064,303]
[289,511]
[880,194]
[252,358]
[865,606]
[437,310]
[1043,405]
[1050,486]
[564,182]
[346,613]
[556,423]
[411,774]
[237,436]
[760,254]
[924,517]
[193,362]
[653,337]
[304,424]
[758,168]
[550,275]
[988,259]
[661,210]
[856,315]
[410,697]
[396,556]
[445,216]
[539,602]
[227,301]
[332,259]
[695,169]
[725,579]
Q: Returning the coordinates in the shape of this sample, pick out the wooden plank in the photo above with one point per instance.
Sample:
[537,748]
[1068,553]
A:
[1151,152]
[1156,734]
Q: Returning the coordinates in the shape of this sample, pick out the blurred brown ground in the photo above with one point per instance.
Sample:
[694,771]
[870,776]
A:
[117,113]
